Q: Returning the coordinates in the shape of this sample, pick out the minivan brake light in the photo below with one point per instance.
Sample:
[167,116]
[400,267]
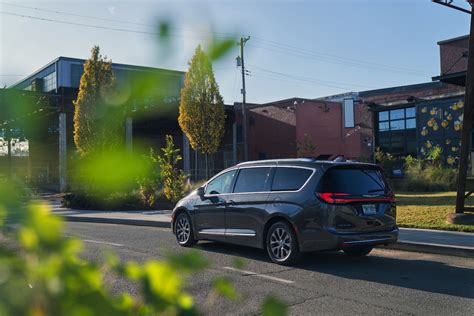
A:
[341,198]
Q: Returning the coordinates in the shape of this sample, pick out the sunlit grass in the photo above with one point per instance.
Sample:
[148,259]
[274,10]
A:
[429,210]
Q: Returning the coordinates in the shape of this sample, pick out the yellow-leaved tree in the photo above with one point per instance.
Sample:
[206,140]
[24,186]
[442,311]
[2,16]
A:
[201,109]
[95,124]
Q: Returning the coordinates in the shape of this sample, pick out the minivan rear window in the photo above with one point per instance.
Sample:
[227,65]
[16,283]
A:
[290,179]
[252,180]
[354,181]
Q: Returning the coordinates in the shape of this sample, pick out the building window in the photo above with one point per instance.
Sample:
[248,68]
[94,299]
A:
[397,131]
[348,112]
[49,82]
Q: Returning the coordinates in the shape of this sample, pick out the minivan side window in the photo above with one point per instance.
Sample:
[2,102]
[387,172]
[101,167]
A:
[252,180]
[290,179]
[221,184]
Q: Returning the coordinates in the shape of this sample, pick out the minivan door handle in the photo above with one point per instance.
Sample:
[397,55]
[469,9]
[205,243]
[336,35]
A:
[230,202]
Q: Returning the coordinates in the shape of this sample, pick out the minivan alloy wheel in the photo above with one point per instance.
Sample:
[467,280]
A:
[183,229]
[280,244]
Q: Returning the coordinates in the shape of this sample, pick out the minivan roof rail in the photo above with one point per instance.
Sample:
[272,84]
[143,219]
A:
[339,159]
[278,160]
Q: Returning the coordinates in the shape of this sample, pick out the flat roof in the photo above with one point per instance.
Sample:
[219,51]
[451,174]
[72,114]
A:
[79,60]
[454,39]
[398,89]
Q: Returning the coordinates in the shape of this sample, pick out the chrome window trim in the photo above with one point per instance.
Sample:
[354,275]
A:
[367,241]
[218,232]
[229,232]
[269,192]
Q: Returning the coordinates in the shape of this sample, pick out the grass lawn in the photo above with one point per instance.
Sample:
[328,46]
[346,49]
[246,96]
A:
[429,210]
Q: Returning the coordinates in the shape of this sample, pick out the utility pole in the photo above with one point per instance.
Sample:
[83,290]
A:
[468,110]
[467,123]
[244,112]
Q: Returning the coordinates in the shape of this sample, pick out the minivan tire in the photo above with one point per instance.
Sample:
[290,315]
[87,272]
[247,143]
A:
[281,244]
[358,251]
[184,230]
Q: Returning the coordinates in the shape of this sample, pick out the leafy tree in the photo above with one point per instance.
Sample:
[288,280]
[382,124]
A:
[174,179]
[95,124]
[306,147]
[201,109]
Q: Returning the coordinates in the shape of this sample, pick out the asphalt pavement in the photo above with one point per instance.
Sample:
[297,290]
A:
[329,283]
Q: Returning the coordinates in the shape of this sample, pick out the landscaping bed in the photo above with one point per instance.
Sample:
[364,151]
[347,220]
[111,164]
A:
[429,210]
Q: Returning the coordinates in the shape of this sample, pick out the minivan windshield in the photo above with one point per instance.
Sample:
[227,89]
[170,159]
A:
[354,181]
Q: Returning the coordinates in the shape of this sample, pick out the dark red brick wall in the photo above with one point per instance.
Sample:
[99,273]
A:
[450,56]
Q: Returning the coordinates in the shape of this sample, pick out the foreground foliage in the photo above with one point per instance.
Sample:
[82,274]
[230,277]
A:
[41,272]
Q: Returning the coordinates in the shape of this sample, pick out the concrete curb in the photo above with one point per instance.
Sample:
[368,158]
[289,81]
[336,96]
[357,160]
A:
[119,221]
[432,248]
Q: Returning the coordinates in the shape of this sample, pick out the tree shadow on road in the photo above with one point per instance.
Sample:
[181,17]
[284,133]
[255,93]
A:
[424,275]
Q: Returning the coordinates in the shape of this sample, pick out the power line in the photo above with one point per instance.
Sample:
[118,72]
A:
[332,84]
[95,26]
[285,48]
[222,34]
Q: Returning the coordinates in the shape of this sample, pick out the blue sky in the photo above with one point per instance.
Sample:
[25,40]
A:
[297,48]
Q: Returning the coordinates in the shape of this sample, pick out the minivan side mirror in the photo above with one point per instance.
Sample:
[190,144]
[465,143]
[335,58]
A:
[200,191]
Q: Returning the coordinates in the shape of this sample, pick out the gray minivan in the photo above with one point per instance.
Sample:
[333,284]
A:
[290,206]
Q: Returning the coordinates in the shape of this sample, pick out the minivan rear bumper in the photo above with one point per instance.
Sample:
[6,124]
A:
[335,240]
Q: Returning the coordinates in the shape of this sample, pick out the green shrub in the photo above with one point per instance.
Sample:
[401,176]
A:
[427,175]
[386,160]
[174,179]
[151,182]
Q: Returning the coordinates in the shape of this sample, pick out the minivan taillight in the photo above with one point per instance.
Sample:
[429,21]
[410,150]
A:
[341,198]
[333,198]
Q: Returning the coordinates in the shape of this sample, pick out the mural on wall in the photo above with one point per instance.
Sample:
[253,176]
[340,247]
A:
[440,125]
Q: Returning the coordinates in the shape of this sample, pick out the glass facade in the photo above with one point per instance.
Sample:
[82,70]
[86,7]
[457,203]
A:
[416,130]
[49,82]
[397,131]
[76,73]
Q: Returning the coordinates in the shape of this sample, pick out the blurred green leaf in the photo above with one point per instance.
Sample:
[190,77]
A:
[189,261]
[274,307]
[219,48]
[112,171]
[239,263]
[224,287]
[164,30]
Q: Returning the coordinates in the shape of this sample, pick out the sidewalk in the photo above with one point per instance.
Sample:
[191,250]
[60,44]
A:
[410,239]
[154,218]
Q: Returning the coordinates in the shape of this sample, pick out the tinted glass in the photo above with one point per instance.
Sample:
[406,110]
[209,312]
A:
[410,112]
[383,126]
[397,114]
[221,184]
[383,116]
[411,123]
[396,125]
[290,179]
[252,180]
[353,181]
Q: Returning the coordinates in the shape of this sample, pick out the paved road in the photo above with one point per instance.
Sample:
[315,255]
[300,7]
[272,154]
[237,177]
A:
[386,282]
